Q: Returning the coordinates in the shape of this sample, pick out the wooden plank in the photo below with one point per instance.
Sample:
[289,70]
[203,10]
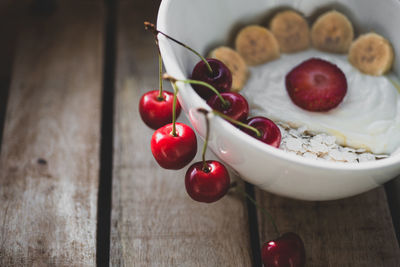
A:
[356,231]
[154,222]
[49,160]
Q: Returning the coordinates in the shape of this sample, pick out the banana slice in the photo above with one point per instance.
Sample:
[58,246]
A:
[332,32]
[291,30]
[235,63]
[371,54]
[256,45]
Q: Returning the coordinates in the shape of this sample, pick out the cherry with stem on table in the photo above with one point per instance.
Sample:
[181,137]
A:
[174,145]
[210,70]
[155,107]
[287,250]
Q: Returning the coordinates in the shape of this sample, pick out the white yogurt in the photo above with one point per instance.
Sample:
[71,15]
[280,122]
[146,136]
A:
[368,117]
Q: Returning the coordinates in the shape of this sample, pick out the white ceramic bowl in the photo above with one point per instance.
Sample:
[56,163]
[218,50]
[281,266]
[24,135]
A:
[207,23]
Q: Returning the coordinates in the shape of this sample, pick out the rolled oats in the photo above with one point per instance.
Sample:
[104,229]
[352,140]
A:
[321,146]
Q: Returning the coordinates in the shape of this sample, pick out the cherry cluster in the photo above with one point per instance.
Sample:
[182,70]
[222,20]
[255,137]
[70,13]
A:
[174,144]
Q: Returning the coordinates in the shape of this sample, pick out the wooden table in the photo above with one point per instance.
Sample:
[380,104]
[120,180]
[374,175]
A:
[78,183]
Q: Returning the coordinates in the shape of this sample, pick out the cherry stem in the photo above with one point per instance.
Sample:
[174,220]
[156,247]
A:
[174,109]
[160,69]
[153,29]
[254,202]
[160,95]
[241,124]
[203,154]
[225,103]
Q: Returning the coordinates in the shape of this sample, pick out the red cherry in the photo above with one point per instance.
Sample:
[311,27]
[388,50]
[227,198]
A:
[174,152]
[316,85]
[156,112]
[221,78]
[270,133]
[207,185]
[237,109]
[286,251]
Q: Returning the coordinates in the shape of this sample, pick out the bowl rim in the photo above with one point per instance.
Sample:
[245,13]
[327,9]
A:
[196,101]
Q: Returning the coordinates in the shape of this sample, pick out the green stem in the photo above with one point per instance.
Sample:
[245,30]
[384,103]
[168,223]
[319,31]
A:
[203,154]
[191,49]
[241,124]
[225,104]
[160,69]
[252,200]
[160,90]
[152,27]
[174,109]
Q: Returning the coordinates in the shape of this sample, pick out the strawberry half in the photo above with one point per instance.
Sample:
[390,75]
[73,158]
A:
[316,85]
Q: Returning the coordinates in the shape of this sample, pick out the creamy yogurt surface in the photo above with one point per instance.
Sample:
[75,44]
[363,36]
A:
[368,117]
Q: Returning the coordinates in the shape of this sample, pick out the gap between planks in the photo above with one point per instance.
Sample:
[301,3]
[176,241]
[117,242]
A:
[106,146]
[392,189]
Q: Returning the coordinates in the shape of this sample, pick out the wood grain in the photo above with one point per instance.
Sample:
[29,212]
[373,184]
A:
[49,160]
[357,231]
[154,222]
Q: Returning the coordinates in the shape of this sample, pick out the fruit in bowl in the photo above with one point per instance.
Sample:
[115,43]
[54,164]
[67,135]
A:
[269,168]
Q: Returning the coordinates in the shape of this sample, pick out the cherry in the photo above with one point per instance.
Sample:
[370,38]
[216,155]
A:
[268,132]
[211,70]
[207,183]
[155,107]
[220,77]
[261,128]
[174,145]
[285,251]
[237,107]
[155,111]
[174,151]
